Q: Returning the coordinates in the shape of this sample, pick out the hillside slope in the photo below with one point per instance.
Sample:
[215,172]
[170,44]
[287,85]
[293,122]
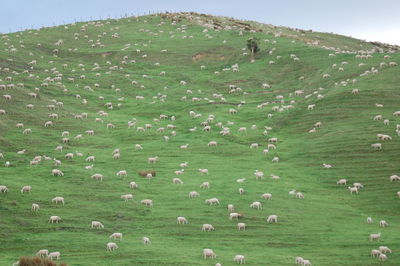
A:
[193,69]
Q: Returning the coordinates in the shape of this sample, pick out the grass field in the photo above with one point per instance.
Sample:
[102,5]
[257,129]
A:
[328,226]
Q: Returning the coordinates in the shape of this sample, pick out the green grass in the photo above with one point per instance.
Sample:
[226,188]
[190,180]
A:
[328,227]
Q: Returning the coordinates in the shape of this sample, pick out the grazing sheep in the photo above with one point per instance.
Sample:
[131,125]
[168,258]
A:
[212,201]
[90,159]
[241,226]
[266,196]
[3,189]
[42,253]
[212,143]
[327,166]
[275,159]
[342,181]
[177,181]
[116,236]
[376,146]
[369,220]
[127,197]
[234,215]
[152,159]
[375,253]
[384,249]
[138,147]
[378,117]
[394,178]
[57,172]
[383,223]
[97,177]
[193,194]
[203,171]
[258,174]
[97,224]
[355,91]
[209,253]
[358,185]
[231,208]
[310,107]
[54,219]
[256,205]
[299,195]
[272,219]
[122,173]
[265,151]
[353,189]
[111,246]
[386,122]
[53,255]
[181,220]
[58,199]
[133,185]
[382,257]
[374,237]
[271,146]
[239,259]
[146,240]
[147,202]
[306,263]
[26,189]
[35,207]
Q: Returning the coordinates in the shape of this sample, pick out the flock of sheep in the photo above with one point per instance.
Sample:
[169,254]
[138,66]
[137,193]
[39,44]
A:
[57,77]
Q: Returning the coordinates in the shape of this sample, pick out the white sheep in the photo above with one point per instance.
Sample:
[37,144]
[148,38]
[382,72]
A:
[97,176]
[193,194]
[57,172]
[212,143]
[42,253]
[133,185]
[58,199]
[35,207]
[272,219]
[138,147]
[376,146]
[256,205]
[127,197]
[97,224]
[203,171]
[181,220]
[3,189]
[375,253]
[55,219]
[385,249]
[299,195]
[147,202]
[234,215]
[382,257]
[26,189]
[116,236]
[241,226]
[240,259]
[55,255]
[353,189]
[394,178]
[122,173]
[212,201]
[369,220]
[146,240]
[374,236]
[177,181]
[111,246]
[383,223]
[152,159]
[209,253]
[342,181]
[275,159]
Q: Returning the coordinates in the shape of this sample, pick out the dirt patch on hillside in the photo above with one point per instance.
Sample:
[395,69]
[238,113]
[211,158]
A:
[200,56]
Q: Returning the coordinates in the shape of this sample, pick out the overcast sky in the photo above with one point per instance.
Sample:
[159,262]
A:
[372,20]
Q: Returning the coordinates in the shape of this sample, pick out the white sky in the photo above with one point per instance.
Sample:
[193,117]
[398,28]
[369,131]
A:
[372,20]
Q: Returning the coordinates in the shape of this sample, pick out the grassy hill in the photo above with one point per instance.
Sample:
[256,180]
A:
[125,58]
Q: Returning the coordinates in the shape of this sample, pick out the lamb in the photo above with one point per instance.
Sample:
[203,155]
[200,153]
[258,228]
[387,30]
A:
[266,196]
[209,253]
[231,208]
[35,207]
[212,201]
[69,155]
[203,171]
[193,194]
[310,107]
[397,113]
[299,195]
[127,197]
[55,219]
[376,146]
[241,226]
[342,181]
[181,220]
[111,246]
[207,227]
[234,215]
[116,236]
[254,146]
[97,224]
[383,223]
[353,189]
[256,205]
[369,220]
[382,257]
[378,117]
[97,177]
[26,189]
[152,159]
[27,131]
[386,122]
[3,189]
[90,159]
[179,172]
[138,147]
[327,166]
[358,185]
[306,263]
[394,178]
[116,156]
[271,146]
[212,143]
[241,191]
[239,259]
[42,253]
[133,185]
[177,181]
[122,173]
[146,240]
[265,151]
[258,174]
[272,219]
[58,199]
[374,237]
[275,159]
[185,164]
[384,249]
[57,172]
[375,253]
[299,260]
[355,91]
[55,254]
[147,202]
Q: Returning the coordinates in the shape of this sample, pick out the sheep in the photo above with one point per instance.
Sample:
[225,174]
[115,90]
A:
[212,143]
[272,219]
[394,178]
[299,195]
[306,263]
[111,246]
[69,155]
[256,205]
[258,174]
[27,131]
[265,151]
[209,253]
[26,189]
[177,181]
[369,220]
[57,172]
[378,117]
[138,147]
[383,223]
[374,237]
[180,172]
[42,253]
[353,189]
[116,236]
[398,194]
[96,224]
[89,166]
[271,146]
[203,171]
[3,189]
[355,91]
[55,254]
[146,240]
[275,159]
[193,194]
[58,199]
[384,249]
[241,191]
[327,166]
[185,164]
[358,185]
[234,215]
[239,259]
[386,122]
[292,192]
[397,113]
[299,260]
[116,156]
[90,159]
[207,227]
[133,185]
[147,202]
[231,208]
[152,159]
[232,111]
[127,197]
[97,176]
[122,173]
[375,253]
[181,220]
[273,140]
[254,146]
[376,146]
[342,181]
[382,257]
[310,107]
[212,201]
[55,219]
[35,207]
[241,226]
